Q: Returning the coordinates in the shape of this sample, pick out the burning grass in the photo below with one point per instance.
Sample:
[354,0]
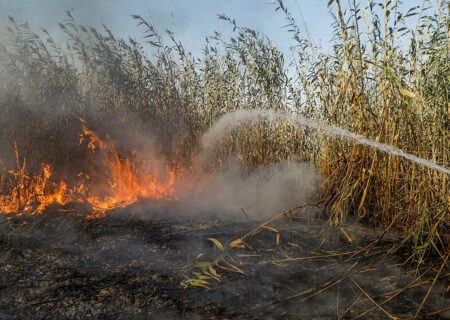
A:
[126,181]
[382,79]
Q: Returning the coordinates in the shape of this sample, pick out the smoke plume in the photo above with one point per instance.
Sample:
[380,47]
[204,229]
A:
[256,195]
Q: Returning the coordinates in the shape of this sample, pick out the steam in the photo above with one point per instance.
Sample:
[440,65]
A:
[256,195]
[238,117]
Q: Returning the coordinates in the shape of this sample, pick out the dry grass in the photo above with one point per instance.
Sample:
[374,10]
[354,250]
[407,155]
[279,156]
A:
[387,77]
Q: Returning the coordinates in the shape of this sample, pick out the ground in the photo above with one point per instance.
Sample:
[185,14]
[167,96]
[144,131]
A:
[137,264]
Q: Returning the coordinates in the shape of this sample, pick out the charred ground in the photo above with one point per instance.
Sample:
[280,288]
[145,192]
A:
[133,264]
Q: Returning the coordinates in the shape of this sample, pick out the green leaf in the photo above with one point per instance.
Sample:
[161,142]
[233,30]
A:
[201,264]
[217,243]
[213,271]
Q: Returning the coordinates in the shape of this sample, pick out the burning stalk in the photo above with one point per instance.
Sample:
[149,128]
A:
[127,180]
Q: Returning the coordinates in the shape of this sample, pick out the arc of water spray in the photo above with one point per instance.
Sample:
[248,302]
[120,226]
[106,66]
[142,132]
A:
[238,117]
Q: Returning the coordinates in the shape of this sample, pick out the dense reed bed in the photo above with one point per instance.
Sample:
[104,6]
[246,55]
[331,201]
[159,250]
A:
[386,76]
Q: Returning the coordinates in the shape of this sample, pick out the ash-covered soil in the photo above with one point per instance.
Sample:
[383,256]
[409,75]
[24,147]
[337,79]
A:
[135,263]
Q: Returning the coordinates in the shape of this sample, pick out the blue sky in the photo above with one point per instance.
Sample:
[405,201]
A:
[191,20]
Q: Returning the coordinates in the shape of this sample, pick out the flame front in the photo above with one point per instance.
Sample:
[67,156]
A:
[128,180]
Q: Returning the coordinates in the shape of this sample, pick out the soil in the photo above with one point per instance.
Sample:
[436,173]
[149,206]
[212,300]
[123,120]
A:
[138,262]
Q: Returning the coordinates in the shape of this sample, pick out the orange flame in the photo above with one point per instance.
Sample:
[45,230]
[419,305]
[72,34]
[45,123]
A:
[128,181]
[33,195]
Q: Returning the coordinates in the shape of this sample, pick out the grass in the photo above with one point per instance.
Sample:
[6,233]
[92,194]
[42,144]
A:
[386,77]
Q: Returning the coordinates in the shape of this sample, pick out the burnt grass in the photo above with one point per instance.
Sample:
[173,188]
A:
[131,265]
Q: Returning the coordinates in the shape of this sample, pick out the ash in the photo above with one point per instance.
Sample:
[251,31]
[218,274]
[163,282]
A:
[133,263]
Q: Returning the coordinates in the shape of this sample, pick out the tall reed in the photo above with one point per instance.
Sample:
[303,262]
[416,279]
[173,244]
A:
[386,76]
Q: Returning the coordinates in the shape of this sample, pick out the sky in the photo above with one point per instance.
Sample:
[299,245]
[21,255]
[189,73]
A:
[190,20]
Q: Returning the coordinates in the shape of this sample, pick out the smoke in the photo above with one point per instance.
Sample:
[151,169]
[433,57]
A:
[42,116]
[256,195]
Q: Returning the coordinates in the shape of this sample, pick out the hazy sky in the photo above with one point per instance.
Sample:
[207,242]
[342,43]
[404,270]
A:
[191,20]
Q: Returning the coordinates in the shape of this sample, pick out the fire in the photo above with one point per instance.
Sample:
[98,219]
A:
[128,180]
[33,194]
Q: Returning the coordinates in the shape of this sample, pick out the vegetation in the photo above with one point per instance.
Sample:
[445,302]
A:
[387,77]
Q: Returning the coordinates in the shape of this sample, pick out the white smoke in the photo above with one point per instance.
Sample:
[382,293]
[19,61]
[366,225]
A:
[257,195]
